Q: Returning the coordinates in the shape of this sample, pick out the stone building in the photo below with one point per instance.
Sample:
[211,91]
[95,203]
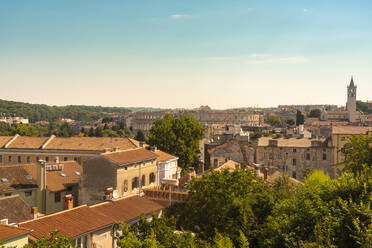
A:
[309,107]
[27,181]
[26,150]
[126,172]
[295,155]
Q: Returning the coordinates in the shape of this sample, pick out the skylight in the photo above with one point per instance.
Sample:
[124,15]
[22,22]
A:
[77,173]
[63,174]
[4,180]
[29,177]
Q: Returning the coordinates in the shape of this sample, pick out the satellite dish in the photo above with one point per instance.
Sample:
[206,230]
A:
[115,194]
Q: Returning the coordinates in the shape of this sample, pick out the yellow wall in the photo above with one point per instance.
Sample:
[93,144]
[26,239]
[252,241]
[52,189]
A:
[18,242]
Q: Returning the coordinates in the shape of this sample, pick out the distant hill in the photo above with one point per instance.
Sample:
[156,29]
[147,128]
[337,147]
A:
[42,112]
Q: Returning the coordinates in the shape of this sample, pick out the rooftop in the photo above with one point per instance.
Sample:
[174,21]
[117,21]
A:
[353,130]
[14,209]
[130,156]
[15,177]
[8,232]
[71,223]
[163,156]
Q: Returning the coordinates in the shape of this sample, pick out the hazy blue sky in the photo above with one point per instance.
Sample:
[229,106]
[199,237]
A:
[173,53]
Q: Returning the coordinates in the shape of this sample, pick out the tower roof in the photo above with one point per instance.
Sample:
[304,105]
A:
[351,82]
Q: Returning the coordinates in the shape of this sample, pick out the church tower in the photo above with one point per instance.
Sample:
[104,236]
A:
[351,101]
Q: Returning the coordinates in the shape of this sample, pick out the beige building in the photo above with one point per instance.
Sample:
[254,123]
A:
[14,236]
[26,150]
[340,136]
[93,226]
[126,172]
[27,181]
[295,155]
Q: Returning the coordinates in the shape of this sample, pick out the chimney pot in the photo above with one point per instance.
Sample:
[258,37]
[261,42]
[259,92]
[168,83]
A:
[108,193]
[34,212]
[68,202]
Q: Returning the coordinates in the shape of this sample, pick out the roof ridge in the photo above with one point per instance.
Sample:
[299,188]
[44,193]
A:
[16,227]
[47,142]
[11,141]
[54,214]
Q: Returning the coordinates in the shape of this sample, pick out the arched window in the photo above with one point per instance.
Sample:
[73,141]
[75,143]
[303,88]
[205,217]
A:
[135,183]
[143,181]
[152,177]
[125,185]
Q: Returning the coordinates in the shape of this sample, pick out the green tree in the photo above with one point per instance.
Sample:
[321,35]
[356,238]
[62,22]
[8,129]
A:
[274,120]
[315,113]
[140,136]
[178,136]
[54,241]
[23,130]
[358,153]
[300,118]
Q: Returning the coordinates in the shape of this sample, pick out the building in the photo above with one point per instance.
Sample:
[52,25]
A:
[167,166]
[126,172]
[349,114]
[340,136]
[14,236]
[14,120]
[309,107]
[25,150]
[27,181]
[93,226]
[13,209]
[295,155]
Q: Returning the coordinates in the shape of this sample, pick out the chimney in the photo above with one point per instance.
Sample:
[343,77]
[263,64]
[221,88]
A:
[108,193]
[141,143]
[68,202]
[34,212]
[266,171]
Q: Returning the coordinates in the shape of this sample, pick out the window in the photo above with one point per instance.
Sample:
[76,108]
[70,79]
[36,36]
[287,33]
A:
[47,159]
[37,159]
[19,159]
[28,193]
[143,181]
[65,159]
[28,159]
[125,168]
[75,158]
[1,159]
[57,196]
[10,159]
[70,188]
[294,150]
[135,183]
[324,156]
[125,185]
[307,156]
[8,194]
[294,174]
[294,161]
[279,155]
[152,177]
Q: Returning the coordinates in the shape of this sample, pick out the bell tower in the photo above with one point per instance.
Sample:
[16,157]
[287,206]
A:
[351,101]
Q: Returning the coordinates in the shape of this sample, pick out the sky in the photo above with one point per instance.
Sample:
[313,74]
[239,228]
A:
[185,53]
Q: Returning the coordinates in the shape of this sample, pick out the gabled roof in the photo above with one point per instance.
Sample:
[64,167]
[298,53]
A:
[8,232]
[22,142]
[130,156]
[14,209]
[163,156]
[127,209]
[72,173]
[71,223]
[14,177]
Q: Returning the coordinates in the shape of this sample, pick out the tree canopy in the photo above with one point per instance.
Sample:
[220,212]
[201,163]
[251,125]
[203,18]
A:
[315,113]
[178,136]
[274,120]
[300,118]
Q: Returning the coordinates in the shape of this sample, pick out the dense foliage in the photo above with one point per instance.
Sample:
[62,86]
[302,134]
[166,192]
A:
[274,120]
[300,118]
[315,113]
[178,136]
[363,106]
[42,112]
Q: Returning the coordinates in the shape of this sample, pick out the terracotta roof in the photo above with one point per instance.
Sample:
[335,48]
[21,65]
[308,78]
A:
[14,209]
[292,142]
[14,177]
[350,130]
[8,232]
[163,156]
[90,143]
[70,223]
[230,165]
[55,181]
[4,140]
[130,156]
[72,171]
[24,142]
[127,209]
